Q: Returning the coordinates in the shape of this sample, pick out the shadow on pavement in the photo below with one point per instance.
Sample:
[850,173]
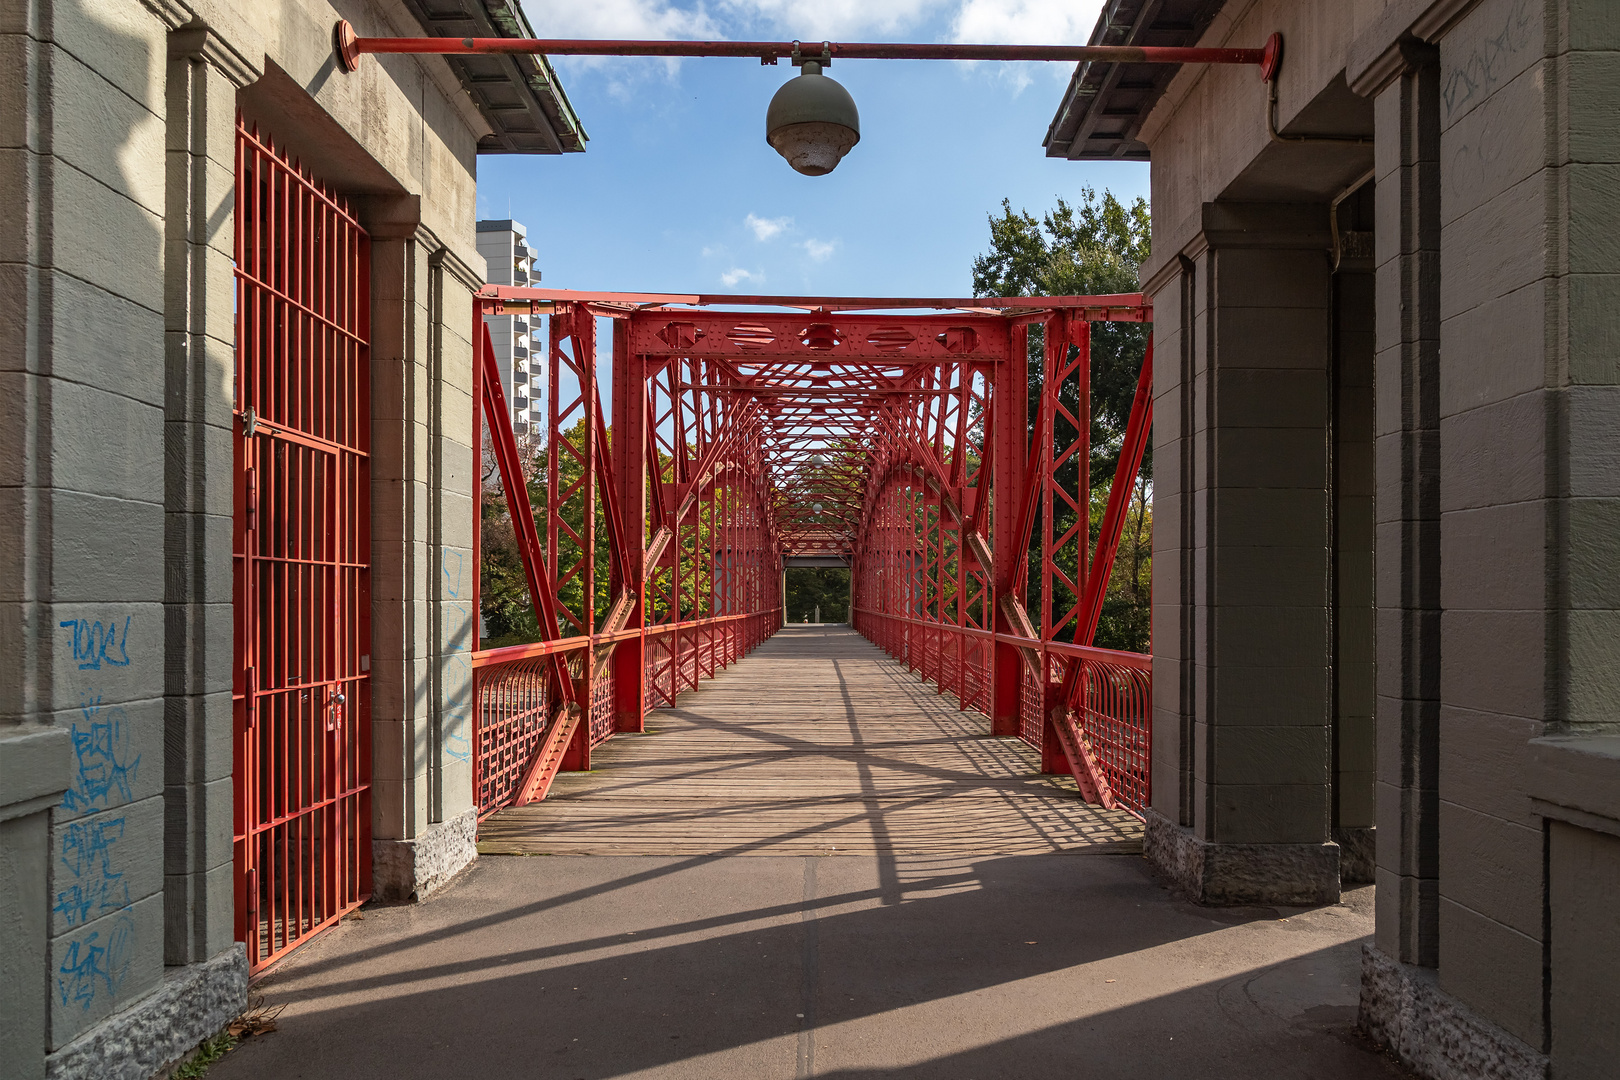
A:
[1028,967]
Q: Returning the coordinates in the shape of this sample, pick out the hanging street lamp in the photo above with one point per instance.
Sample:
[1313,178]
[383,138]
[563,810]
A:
[812,121]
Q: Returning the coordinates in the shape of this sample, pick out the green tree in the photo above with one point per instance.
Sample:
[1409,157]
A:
[809,588]
[1090,248]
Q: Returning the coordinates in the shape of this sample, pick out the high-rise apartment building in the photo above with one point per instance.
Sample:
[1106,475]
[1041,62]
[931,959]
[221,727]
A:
[519,340]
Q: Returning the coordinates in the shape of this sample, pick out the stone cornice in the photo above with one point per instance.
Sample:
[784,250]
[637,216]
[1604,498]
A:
[1395,42]
[456,267]
[171,13]
[203,44]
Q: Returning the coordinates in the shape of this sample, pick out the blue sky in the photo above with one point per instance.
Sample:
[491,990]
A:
[678,190]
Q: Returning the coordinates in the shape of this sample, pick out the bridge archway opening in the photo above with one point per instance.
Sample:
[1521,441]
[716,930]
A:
[892,436]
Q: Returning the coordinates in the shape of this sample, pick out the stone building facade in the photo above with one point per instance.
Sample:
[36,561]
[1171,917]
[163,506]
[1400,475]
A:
[1386,609]
[126,894]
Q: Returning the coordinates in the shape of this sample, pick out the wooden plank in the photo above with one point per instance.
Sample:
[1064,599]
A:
[816,744]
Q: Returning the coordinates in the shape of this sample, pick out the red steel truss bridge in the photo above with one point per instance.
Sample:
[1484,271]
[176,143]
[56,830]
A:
[890,434]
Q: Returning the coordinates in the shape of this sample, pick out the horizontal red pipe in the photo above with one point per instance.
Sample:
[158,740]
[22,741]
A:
[350,47]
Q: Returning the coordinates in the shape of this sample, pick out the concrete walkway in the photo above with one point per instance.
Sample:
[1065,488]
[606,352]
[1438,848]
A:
[939,961]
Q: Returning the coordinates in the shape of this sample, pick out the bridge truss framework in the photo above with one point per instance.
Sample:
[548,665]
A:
[890,433]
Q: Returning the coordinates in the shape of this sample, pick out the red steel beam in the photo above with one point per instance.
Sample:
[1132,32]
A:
[1119,307]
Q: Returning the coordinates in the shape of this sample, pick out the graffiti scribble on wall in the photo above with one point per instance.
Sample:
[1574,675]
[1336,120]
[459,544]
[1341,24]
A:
[105,766]
[91,886]
[92,966]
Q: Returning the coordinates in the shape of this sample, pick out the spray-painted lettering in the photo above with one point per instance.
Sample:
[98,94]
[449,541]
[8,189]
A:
[96,643]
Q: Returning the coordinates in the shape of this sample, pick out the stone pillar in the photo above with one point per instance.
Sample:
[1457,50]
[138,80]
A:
[423,821]
[200,343]
[1243,814]
[401,562]
[1407,462]
[1354,641]
[454,518]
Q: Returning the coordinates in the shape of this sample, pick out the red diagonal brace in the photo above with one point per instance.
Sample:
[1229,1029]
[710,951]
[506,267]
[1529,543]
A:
[1119,500]
[499,418]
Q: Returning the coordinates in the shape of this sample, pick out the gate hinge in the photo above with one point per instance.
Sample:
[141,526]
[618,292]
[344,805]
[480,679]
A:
[250,676]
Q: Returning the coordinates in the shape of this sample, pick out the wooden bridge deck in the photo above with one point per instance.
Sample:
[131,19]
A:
[816,744]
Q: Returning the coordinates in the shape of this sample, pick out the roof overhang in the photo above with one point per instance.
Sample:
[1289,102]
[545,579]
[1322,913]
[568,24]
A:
[1105,104]
[518,94]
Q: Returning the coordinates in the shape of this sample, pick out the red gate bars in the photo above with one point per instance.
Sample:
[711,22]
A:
[301,549]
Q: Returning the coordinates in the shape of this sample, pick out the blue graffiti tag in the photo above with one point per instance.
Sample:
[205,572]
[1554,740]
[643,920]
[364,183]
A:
[105,773]
[95,644]
[457,672]
[457,710]
[89,967]
[452,582]
[97,888]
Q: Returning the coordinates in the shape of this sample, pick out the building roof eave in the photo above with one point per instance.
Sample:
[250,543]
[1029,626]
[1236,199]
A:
[518,94]
[1105,104]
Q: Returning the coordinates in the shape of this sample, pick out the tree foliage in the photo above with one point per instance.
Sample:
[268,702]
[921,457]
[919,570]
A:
[809,588]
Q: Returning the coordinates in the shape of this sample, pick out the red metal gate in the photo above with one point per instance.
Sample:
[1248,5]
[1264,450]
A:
[301,695]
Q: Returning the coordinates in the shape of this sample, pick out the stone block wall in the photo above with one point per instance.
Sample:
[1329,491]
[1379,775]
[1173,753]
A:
[118,947]
[1494,427]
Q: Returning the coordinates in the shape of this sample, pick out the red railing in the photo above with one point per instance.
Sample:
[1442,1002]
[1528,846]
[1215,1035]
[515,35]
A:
[514,705]
[1111,702]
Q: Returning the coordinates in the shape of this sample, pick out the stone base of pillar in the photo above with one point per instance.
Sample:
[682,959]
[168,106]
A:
[1358,852]
[406,871]
[194,1002]
[1403,1008]
[1222,874]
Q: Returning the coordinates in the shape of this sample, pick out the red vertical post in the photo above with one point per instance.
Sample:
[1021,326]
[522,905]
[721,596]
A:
[1009,411]
[1080,335]
[629,480]
[579,753]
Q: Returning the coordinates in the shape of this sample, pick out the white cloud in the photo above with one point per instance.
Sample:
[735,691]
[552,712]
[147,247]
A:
[618,19]
[834,18]
[766,228]
[711,251]
[736,274]
[820,250]
[1026,22]
[632,19]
